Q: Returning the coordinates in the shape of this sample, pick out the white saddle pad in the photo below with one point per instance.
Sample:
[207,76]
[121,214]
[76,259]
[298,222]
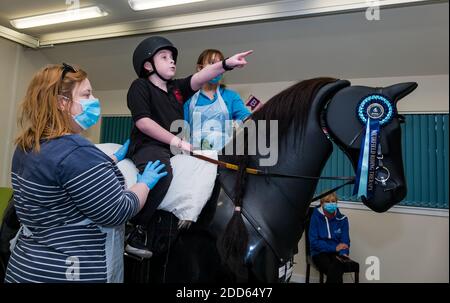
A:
[191,186]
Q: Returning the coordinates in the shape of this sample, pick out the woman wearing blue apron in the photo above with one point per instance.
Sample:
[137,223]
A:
[69,196]
[212,110]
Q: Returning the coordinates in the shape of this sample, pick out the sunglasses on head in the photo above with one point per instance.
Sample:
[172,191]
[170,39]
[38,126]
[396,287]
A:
[67,69]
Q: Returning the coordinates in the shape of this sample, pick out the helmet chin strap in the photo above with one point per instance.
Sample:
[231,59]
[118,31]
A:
[155,71]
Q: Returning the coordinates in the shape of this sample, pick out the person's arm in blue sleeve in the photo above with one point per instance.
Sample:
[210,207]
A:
[345,238]
[239,110]
[316,243]
[95,189]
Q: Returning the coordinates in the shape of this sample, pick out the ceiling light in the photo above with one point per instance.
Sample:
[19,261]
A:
[59,17]
[139,5]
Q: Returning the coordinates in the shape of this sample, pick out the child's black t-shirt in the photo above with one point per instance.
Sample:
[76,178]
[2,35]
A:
[144,99]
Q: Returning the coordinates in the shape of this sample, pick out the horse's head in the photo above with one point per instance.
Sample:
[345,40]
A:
[345,119]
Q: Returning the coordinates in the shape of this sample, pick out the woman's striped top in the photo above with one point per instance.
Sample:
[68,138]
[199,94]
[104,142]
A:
[67,183]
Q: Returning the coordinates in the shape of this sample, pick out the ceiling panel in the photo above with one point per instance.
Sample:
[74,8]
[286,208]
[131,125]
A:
[118,10]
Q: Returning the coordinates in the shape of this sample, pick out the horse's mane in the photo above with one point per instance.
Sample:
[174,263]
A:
[291,106]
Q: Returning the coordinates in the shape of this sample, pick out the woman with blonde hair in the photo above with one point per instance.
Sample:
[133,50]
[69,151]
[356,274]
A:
[69,196]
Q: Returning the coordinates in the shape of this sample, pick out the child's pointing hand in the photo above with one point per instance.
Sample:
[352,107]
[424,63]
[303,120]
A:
[238,60]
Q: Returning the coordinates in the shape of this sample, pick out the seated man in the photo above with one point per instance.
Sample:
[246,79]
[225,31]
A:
[329,239]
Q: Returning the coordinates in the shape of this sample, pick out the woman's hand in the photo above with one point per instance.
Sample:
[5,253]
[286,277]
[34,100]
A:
[121,152]
[151,174]
[341,246]
[147,180]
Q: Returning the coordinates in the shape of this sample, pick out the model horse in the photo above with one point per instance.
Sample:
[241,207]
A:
[263,236]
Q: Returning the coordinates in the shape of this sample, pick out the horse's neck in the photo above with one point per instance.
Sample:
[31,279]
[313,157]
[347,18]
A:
[301,155]
[297,154]
[278,206]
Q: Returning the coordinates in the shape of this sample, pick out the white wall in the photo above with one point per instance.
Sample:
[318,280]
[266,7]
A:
[411,248]
[9,60]
[17,66]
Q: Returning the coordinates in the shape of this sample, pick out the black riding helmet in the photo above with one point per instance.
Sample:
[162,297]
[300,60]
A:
[147,49]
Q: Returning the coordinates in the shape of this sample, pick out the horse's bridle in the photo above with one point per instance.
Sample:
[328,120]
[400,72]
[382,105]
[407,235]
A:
[382,173]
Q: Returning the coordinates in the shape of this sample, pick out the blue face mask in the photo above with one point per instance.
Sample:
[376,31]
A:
[216,79]
[330,207]
[90,114]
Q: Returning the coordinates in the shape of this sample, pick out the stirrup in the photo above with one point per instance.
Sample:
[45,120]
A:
[131,256]
[133,253]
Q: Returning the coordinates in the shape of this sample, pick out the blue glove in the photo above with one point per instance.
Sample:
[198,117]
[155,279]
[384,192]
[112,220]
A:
[122,152]
[151,174]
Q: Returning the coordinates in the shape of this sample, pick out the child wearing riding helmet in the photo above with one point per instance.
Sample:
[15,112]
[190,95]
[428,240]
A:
[329,238]
[211,111]
[156,100]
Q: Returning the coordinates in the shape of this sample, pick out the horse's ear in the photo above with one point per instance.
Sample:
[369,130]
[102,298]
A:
[326,93]
[400,90]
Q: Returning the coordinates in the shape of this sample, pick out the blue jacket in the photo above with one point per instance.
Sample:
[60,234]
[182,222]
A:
[325,233]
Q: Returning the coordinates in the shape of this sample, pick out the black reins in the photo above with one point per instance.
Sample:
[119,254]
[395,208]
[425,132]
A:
[261,173]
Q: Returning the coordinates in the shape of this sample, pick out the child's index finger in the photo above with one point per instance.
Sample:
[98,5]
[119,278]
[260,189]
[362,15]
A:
[244,54]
